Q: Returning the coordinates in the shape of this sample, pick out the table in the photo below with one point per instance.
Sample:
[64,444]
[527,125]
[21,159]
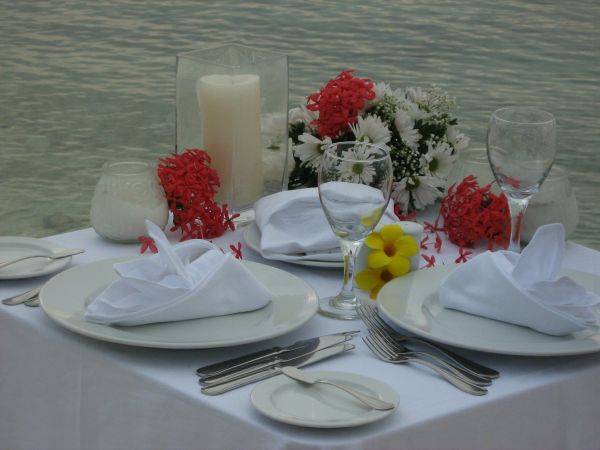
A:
[62,390]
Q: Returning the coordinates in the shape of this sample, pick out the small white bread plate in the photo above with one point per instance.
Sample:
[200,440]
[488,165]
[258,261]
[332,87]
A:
[64,299]
[12,247]
[410,303]
[321,406]
[252,239]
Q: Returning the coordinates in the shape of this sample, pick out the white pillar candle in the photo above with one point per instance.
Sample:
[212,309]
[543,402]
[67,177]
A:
[230,118]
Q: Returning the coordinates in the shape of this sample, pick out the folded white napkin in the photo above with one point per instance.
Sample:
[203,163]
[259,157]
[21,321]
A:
[188,280]
[524,289]
[293,225]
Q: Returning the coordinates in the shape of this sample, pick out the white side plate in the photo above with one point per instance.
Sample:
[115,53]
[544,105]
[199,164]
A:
[319,405]
[64,299]
[15,247]
[252,239]
[410,303]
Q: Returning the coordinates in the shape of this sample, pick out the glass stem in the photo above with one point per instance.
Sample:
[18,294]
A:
[347,295]
[517,208]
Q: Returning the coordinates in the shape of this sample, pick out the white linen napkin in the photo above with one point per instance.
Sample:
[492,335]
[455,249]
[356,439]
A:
[188,280]
[524,289]
[293,226]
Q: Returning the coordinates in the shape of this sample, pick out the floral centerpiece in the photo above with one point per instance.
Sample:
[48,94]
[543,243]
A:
[415,124]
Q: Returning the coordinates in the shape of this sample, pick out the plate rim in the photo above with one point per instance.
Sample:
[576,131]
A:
[448,268]
[311,301]
[260,396]
[52,266]
[253,228]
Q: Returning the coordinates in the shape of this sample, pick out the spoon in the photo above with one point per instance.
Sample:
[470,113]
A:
[303,377]
[57,255]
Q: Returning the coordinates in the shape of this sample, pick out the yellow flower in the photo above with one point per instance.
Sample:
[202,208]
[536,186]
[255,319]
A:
[374,279]
[390,246]
[389,258]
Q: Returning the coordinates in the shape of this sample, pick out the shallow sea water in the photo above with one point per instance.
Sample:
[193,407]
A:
[82,83]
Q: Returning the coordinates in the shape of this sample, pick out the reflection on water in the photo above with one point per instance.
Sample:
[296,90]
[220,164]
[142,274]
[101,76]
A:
[82,83]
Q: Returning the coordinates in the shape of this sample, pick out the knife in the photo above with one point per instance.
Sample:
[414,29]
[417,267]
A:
[268,373]
[314,345]
[221,368]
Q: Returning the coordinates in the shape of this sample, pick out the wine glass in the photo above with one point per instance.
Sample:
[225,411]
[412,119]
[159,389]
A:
[521,146]
[355,181]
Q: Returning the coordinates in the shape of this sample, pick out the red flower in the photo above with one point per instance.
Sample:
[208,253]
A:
[147,244]
[425,243]
[438,243]
[462,255]
[190,185]
[430,260]
[410,217]
[472,213]
[236,250]
[339,103]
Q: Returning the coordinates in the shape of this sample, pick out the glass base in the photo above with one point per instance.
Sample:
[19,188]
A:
[339,308]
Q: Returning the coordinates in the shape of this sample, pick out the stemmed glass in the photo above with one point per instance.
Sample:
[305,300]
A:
[355,181]
[521,146]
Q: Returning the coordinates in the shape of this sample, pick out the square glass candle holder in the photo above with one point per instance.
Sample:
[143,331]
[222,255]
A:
[232,102]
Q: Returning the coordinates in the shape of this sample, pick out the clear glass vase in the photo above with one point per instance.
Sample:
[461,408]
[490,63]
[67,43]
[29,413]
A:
[232,101]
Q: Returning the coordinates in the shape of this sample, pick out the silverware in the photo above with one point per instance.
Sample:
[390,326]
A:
[369,315]
[224,367]
[303,377]
[58,255]
[396,350]
[23,297]
[268,373]
[293,357]
[35,301]
[460,383]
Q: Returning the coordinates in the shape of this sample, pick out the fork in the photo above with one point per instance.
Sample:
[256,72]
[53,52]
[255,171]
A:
[460,383]
[369,315]
[58,255]
[397,350]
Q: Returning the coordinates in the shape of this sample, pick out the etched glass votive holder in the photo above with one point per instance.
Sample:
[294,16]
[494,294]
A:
[127,194]
[232,102]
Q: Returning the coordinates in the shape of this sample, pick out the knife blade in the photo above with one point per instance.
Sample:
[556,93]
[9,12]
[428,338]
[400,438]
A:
[268,373]
[316,344]
[223,367]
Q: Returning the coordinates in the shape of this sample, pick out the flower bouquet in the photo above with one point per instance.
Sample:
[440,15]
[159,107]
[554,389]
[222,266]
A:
[415,124]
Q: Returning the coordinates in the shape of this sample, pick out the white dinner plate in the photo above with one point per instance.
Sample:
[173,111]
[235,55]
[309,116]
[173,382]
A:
[64,299]
[252,238]
[411,303]
[15,247]
[320,406]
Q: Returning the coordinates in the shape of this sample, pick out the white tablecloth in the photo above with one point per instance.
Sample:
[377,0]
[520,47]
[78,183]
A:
[60,390]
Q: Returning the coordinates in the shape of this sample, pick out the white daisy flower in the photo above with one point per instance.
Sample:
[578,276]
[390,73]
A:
[401,195]
[311,150]
[456,139]
[381,89]
[371,129]
[406,129]
[302,114]
[357,171]
[417,95]
[424,190]
[438,160]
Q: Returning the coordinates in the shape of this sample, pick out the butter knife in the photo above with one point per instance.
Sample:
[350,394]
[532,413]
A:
[271,372]
[224,367]
[22,298]
[292,357]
